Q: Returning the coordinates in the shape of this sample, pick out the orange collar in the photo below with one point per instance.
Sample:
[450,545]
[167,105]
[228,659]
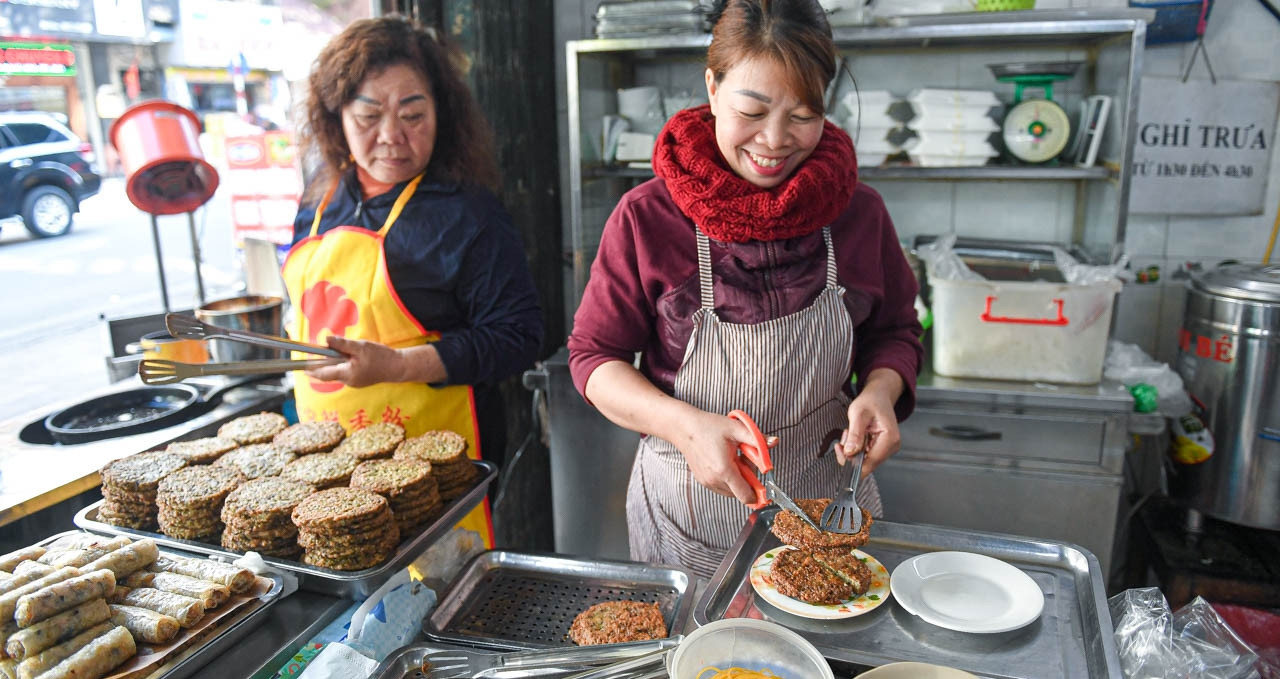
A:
[370,187]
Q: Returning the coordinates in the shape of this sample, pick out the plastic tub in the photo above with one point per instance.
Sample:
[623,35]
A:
[1015,330]
[750,644]
[159,145]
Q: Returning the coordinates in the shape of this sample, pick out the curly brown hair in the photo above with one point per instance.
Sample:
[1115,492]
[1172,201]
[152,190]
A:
[793,33]
[463,151]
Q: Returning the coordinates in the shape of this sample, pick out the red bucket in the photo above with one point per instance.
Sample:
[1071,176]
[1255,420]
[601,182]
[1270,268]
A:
[158,142]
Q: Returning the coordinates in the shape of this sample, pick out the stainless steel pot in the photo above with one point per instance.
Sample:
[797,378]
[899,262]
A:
[1229,359]
[257,313]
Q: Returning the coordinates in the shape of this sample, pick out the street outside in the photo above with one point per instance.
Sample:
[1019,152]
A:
[53,337]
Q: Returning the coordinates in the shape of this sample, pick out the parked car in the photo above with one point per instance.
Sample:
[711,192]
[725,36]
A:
[45,171]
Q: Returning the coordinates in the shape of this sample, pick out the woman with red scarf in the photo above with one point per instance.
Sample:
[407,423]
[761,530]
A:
[753,272]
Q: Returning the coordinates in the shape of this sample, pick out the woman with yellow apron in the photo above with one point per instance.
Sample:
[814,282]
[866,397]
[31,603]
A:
[407,264]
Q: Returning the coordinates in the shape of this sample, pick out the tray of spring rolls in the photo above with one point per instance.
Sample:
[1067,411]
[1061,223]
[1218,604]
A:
[343,512]
[85,606]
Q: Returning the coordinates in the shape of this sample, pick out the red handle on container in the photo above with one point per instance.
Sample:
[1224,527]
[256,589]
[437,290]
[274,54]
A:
[987,316]
[757,454]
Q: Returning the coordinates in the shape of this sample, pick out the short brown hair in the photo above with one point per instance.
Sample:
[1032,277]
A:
[463,152]
[793,33]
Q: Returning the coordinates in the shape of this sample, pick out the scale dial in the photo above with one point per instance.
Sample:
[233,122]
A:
[1036,130]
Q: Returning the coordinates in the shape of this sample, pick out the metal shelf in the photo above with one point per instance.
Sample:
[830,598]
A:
[909,172]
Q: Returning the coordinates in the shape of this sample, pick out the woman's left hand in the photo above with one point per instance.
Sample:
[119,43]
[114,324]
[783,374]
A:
[873,422]
[367,363]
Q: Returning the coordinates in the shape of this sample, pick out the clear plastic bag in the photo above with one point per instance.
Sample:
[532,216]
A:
[1155,642]
[944,263]
[1129,365]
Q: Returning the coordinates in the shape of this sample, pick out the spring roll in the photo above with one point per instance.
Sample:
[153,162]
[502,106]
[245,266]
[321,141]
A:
[85,555]
[38,663]
[120,593]
[8,669]
[211,594]
[145,625]
[186,610]
[97,658]
[232,577]
[9,629]
[28,571]
[65,595]
[9,601]
[127,559]
[56,629]
[12,559]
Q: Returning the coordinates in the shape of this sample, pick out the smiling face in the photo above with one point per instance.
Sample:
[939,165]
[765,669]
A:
[763,129]
[390,125]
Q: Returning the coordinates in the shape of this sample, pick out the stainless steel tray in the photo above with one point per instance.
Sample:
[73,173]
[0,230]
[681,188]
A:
[350,584]
[191,660]
[513,600]
[1071,639]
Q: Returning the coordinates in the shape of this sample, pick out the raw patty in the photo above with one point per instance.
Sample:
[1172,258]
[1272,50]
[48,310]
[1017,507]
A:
[612,622]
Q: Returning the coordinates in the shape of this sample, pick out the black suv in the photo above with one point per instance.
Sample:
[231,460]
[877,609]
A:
[45,171]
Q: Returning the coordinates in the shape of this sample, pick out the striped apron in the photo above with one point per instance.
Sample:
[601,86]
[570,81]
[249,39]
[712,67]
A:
[788,374]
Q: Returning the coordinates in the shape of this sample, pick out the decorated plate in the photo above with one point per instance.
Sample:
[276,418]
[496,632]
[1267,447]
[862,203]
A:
[875,595]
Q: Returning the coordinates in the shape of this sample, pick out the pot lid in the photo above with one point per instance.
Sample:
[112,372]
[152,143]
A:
[1257,282]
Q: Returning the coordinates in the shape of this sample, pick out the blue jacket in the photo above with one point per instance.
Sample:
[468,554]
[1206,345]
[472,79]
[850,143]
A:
[459,266]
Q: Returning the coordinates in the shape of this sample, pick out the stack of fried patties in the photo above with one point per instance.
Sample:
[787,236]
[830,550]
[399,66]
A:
[202,451]
[446,451]
[129,487]
[409,487]
[259,517]
[372,442]
[346,529]
[822,568]
[260,428]
[190,501]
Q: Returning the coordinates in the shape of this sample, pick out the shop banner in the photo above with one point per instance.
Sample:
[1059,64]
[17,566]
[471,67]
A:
[264,185]
[47,18]
[1203,148]
[37,58]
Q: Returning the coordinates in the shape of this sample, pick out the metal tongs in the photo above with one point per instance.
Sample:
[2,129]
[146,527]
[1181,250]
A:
[190,327]
[767,490]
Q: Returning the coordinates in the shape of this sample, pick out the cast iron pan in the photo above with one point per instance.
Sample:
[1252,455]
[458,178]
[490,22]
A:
[129,412]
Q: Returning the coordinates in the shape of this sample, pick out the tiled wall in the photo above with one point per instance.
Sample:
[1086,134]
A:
[1243,41]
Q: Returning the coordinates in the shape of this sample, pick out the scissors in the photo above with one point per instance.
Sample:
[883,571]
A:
[766,489]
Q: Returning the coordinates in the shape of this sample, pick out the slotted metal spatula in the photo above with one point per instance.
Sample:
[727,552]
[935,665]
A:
[160,371]
[844,515]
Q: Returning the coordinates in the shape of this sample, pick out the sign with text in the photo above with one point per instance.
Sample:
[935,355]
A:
[1203,149]
[33,58]
[265,186]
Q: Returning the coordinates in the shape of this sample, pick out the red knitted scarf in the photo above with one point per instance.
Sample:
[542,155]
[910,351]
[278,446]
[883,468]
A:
[727,207]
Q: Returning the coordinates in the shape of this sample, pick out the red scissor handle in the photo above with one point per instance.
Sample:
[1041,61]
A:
[757,454]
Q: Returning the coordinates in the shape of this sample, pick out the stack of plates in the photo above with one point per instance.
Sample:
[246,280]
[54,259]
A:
[646,18]
[869,123]
[952,127]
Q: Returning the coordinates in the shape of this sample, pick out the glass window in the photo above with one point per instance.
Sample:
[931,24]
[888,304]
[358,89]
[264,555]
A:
[35,133]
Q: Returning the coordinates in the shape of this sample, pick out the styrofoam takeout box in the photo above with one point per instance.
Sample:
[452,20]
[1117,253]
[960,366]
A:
[1018,330]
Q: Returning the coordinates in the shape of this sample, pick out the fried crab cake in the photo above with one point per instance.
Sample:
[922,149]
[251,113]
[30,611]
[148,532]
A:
[791,530]
[798,575]
[612,622]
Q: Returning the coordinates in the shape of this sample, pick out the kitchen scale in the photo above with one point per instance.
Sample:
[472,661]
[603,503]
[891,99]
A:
[1035,130]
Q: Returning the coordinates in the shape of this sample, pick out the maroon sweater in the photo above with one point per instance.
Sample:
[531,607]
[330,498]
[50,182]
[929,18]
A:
[643,288]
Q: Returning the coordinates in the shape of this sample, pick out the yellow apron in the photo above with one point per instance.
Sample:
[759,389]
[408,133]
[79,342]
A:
[339,285]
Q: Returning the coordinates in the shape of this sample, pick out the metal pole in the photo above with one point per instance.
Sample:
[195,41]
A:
[195,254]
[164,289]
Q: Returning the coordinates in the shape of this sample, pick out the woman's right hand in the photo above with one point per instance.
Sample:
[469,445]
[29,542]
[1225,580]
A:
[710,446]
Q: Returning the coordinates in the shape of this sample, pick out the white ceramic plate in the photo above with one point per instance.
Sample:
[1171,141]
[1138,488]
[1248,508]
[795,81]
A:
[875,595]
[967,592]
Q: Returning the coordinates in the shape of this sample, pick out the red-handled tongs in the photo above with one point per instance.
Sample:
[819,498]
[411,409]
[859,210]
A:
[758,455]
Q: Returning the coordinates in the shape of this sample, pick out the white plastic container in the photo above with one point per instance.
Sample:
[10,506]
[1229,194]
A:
[1016,330]
[748,643]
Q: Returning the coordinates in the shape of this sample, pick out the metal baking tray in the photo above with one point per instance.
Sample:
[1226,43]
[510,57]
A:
[190,660]
[355,585]
[1071,639]
[515,600]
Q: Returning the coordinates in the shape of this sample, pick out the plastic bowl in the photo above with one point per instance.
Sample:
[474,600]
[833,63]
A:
[915,670]
[751,644]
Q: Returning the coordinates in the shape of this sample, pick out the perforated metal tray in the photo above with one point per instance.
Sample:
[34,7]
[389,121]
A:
[513,600]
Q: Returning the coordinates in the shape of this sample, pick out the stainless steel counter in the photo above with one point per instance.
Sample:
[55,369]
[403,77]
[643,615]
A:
[36,473]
